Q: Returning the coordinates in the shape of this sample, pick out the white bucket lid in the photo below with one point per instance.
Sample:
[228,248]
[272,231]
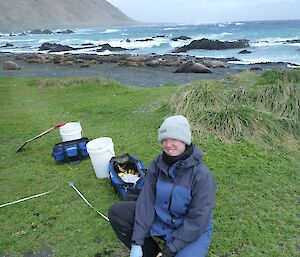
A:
[98,144]
[70,126]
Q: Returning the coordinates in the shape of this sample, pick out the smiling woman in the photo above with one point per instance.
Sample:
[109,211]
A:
[176,202]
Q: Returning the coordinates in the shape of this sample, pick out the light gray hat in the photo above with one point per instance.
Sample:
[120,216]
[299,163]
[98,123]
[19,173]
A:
[176,127]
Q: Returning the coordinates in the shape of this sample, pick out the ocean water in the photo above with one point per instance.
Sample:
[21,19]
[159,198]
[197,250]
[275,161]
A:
[270,41]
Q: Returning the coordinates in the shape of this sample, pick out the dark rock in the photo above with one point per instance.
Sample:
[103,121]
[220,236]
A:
[159,36]
[293,41]
[61,48]
[255,68]
[52,47]
[68,31]
[208,44]
[245,52]
[144,40]
[8,45]
[39,31]
[293,66]
[46,46]
[47,31]
[193,68]
[87,44]
[180,38]
[232,59]
[107,47]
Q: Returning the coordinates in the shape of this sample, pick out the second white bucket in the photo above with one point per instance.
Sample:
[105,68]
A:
[70,131]
[101,150]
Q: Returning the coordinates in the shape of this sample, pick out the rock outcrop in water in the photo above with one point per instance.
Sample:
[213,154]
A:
[208,44]
[16,15]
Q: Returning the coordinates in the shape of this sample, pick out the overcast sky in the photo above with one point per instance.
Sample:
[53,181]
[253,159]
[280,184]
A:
[202,11]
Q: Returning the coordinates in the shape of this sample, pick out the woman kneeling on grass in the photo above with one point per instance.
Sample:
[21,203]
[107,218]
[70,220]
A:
[175,203]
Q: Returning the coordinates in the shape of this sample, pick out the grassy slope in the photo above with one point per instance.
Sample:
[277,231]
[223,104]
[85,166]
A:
[257,201]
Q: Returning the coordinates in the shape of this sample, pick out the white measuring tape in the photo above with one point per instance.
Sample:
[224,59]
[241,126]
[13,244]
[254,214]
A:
[25,199]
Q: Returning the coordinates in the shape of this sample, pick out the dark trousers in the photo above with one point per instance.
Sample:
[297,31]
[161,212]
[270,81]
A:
[121,217]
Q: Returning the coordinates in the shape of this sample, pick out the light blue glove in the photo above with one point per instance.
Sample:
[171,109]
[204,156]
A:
[136,251]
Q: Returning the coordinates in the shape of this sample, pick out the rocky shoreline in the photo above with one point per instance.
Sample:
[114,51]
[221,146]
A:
[136,70]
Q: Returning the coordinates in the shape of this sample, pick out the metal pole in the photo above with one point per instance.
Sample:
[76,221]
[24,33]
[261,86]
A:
[86,201]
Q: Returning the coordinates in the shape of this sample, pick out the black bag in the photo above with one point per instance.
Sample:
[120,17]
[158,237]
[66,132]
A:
[127,165]
[70,151]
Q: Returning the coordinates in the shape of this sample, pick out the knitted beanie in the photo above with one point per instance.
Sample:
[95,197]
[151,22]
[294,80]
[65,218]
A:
[175,127]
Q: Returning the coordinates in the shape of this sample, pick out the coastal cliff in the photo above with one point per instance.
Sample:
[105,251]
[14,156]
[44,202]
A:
[23,15]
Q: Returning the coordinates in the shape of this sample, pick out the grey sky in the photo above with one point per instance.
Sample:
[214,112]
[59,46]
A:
[202,11]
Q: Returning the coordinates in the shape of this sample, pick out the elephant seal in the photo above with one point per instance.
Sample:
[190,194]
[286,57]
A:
[10,65]
[214,64]
[193,68]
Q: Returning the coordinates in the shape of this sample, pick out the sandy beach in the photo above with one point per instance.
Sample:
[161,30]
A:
[134,76]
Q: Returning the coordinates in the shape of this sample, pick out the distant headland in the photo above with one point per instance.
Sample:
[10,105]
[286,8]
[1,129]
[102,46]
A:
[17,16]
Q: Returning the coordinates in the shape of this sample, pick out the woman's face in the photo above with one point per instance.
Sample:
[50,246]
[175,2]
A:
[173,147]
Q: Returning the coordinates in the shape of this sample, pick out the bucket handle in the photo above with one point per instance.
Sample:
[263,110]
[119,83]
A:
[111,152]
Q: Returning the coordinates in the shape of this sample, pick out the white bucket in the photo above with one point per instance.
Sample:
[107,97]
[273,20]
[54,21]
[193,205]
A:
[70,131]
[101,150]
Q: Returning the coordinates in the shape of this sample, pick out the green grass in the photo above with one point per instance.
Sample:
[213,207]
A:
[257,209]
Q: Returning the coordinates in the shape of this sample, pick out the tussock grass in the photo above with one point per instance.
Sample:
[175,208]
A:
[277,76]
[246,110]
[282,99]
[241,79]
[198,96]
[228,123]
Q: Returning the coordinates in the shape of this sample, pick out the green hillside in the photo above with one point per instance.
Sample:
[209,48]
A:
[24,15]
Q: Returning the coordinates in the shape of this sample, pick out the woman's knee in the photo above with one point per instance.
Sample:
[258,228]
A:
[113,211]
[200,247]
[121,212]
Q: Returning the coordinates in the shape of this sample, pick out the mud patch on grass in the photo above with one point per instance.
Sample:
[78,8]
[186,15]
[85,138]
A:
[46,252]
[115,252]
[97,240]
[105,253]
